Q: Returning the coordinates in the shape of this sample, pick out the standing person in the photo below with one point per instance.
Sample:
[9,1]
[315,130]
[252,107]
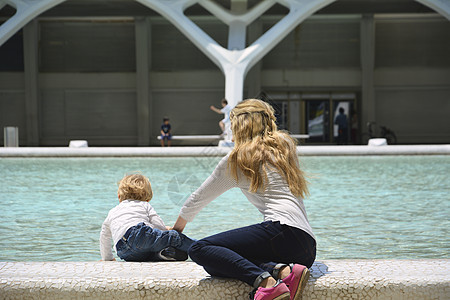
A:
[139,234]
[165,132]
[273,256]
[354,131]
[342,123]
[225,111]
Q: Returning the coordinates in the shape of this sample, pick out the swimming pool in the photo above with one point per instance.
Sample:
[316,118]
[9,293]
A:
[360,207]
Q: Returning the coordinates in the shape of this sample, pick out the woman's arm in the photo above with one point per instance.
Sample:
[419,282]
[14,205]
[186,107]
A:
[214,186]
[179,224]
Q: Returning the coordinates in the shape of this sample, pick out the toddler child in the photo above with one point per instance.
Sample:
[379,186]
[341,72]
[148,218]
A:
[139,234]
[166,134]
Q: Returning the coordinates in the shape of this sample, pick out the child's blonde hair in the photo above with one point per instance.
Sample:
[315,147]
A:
[260,146]
[136,187]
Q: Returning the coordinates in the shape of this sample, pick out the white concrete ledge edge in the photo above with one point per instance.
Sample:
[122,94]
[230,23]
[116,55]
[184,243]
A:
[330,279]
[216,151]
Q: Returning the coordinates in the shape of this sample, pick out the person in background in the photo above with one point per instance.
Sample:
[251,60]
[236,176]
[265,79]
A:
[272,256]
[354,131]
[225,111]
[138,233]
[342,123]
[165,132]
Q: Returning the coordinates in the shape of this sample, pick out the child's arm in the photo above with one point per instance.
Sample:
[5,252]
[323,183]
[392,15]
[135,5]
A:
[154,219]
[105,242]
[213,108]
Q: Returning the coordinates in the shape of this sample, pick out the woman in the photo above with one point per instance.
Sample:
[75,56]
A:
[273,256]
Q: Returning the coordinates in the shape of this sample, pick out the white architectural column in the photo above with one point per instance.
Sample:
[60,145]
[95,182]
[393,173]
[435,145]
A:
[367,43]
[26,10]
[237,19]
[142,36]
[236,63]
[440,6]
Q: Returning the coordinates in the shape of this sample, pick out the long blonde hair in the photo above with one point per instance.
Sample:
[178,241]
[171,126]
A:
[260,146]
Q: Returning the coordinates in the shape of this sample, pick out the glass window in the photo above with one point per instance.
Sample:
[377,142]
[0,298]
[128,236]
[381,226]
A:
[317,120]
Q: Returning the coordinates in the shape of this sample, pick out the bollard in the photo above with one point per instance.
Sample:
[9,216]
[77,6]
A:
[11,136]
[78,144]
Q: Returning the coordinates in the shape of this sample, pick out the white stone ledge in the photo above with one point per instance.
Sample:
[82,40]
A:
[215,151]
[330,279]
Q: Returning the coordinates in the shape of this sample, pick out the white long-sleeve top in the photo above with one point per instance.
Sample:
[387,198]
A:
[127,214]
[276,202]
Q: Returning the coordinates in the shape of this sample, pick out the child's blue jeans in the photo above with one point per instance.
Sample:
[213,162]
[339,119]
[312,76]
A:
[142,243]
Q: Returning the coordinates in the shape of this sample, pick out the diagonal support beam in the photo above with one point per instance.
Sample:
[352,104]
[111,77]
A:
[235,63]
[440,6]
[26,10]
[237,22]
[173,11]
[228,17]
[241,61]
[299,10]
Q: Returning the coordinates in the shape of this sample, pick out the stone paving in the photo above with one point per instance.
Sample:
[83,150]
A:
[330,279]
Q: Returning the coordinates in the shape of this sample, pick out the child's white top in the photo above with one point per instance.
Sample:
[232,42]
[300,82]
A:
[127,214]
[276,203]
[226,111]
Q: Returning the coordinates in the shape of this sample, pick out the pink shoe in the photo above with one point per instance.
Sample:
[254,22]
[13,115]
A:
[278,292]
[296,281]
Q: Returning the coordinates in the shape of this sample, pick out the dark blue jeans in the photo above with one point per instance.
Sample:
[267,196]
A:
[246,253]
[142,243]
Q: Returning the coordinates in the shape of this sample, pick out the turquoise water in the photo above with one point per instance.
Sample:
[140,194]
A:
[360,207]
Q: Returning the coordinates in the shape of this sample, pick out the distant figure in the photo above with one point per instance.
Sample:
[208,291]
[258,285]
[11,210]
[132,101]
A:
[342,123]
[165,132]
[138,233]
[354,131]
[226,111]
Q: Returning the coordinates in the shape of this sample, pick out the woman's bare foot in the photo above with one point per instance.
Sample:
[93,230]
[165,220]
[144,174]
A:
[284,272]
[268,282]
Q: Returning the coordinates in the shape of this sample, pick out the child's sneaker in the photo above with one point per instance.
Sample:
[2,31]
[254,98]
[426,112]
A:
[296,281]
[279,292]
[172,254]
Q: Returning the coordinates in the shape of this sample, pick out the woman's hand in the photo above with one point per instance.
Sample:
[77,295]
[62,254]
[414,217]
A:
[179,224]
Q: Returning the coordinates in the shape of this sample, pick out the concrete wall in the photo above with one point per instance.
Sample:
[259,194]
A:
[412,78]
[87,85]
